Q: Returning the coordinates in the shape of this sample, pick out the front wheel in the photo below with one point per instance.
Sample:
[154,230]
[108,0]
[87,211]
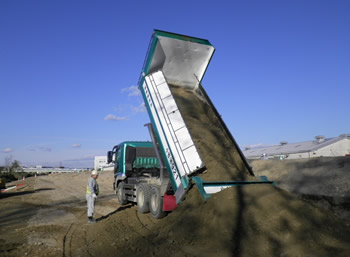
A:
[156,203]
[120,194]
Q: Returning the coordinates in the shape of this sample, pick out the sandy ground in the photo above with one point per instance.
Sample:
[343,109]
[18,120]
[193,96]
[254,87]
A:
[38,219]
[47,217]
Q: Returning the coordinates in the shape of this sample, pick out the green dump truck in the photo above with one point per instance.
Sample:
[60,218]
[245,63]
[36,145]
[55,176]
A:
[156,175]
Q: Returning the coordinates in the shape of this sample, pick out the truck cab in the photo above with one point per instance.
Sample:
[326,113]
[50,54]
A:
[134,159]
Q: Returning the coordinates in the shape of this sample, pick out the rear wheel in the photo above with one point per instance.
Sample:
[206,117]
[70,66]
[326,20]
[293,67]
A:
[156,203]
[120,194]
[143,192]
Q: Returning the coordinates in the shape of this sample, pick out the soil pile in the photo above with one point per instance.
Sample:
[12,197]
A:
[323,181]
[327,176]
[254,220]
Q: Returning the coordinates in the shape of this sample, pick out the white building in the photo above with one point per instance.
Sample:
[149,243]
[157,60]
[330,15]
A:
[320,147]
[100,162]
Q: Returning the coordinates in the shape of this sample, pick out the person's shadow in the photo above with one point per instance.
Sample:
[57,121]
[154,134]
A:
[121,208]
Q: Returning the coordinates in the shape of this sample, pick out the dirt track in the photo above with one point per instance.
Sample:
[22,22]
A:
[47,217]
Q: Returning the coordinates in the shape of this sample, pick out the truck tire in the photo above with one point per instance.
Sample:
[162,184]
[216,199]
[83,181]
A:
[120,194]
[156,203]
[143,192]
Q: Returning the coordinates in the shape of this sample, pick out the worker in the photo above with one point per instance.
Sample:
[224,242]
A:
[91,195]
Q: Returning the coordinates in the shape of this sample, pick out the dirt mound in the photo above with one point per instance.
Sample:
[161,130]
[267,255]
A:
[323,181]
[254,220]
[327,176]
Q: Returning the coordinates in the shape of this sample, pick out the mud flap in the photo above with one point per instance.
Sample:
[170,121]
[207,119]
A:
[169,202]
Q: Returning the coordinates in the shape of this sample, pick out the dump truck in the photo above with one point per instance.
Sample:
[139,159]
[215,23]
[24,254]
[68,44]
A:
[156,175]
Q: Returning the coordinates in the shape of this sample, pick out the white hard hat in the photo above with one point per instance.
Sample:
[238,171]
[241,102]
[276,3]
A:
[94,172]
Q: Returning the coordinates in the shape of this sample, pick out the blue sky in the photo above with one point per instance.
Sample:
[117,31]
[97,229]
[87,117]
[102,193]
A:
[69,71]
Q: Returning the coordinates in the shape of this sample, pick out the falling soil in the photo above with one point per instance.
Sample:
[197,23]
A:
[214,143]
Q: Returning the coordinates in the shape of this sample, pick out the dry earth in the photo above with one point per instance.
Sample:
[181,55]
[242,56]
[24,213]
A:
[324,181]
[48,216]
[327,176]
[40,218]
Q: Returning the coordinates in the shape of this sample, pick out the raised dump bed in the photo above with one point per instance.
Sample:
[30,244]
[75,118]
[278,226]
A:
[188,131]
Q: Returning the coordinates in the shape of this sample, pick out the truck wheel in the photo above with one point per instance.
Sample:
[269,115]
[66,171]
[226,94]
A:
[156,203]
[120,194]
[142,197]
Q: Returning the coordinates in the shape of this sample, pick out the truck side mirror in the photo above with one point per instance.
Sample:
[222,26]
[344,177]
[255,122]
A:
[109,156]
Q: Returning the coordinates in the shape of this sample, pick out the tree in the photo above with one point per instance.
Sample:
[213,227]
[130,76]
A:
[16,166]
